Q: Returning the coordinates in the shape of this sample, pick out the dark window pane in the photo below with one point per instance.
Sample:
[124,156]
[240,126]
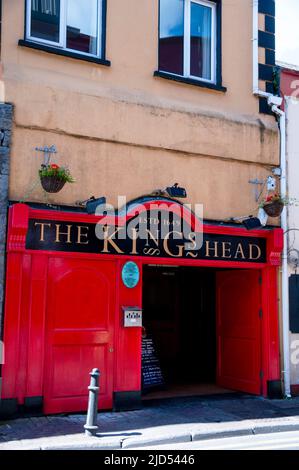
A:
[201,41]
[171,43]
[45,19]
[82,25]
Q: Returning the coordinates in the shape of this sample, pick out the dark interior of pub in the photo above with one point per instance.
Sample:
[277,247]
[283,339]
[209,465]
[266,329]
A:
[179,315]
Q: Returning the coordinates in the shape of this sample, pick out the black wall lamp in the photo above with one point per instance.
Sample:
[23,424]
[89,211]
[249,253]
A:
[249,222]
[252,223]
[176,191]
[91,204]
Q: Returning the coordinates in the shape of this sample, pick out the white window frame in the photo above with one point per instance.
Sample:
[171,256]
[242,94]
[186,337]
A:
[187,41]
[63,30]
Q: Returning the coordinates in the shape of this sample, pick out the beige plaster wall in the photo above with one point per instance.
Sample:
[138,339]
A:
[220,184]
[122,131]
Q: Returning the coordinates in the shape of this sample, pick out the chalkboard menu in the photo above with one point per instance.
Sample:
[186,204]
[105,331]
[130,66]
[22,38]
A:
[152,377]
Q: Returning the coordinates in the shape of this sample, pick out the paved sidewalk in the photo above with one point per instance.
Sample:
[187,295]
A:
[161,422]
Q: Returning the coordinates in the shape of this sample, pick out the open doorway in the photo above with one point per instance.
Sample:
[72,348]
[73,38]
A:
[203,330]
[179,305]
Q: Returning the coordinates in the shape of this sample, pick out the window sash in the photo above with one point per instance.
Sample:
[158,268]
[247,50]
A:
[63,29]
[187,40]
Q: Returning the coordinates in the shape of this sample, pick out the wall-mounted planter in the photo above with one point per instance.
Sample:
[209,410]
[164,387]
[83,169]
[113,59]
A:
[52,184]
[274,208]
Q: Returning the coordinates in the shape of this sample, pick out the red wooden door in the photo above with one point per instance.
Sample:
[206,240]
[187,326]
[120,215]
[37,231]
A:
[79,330]
[239,331]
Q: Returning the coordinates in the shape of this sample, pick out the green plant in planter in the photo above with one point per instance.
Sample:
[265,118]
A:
[54,177]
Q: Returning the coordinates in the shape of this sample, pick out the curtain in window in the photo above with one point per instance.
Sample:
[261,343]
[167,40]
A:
[48,7]
[45,18]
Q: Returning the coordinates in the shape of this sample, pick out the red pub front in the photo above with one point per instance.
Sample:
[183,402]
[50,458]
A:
[211,310]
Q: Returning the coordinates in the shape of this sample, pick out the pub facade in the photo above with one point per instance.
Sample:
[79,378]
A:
[84,289]
[68,293]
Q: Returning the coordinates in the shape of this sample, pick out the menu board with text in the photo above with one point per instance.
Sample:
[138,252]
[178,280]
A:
[152,377]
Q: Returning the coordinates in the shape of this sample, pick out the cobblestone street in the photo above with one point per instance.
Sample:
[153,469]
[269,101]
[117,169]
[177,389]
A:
[178,419]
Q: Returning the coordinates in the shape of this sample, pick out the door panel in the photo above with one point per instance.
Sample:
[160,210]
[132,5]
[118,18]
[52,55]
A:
[80,311]
[239,330]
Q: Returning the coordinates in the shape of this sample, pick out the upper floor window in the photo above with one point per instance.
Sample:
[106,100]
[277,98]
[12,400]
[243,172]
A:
[188,37]
[73,25]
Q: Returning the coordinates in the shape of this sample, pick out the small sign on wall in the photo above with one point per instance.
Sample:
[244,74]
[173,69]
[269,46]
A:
[132,317]
[130,274]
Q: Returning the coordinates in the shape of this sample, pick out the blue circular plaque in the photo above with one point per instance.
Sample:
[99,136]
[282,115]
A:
[130,274]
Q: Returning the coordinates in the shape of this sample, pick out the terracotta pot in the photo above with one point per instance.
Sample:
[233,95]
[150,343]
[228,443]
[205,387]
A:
[52,184]
[274,208]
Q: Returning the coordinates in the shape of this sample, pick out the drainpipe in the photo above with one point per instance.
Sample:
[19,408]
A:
[275,102]
[284,270]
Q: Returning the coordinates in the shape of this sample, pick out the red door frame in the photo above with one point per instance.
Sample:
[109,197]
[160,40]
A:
[25,302]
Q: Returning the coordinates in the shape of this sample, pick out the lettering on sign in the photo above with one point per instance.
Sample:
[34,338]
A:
[151,237]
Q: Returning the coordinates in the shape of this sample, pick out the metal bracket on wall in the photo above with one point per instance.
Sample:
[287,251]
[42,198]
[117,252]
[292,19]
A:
[48,152]
[257,192]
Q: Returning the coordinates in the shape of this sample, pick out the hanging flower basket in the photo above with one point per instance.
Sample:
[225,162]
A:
[54,177]
[273,209]
[273,205]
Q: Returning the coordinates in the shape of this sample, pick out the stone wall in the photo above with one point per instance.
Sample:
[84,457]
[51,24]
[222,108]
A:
[6,115]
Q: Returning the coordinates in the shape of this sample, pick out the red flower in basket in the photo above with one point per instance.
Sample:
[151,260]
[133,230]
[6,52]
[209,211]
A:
[54,166]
